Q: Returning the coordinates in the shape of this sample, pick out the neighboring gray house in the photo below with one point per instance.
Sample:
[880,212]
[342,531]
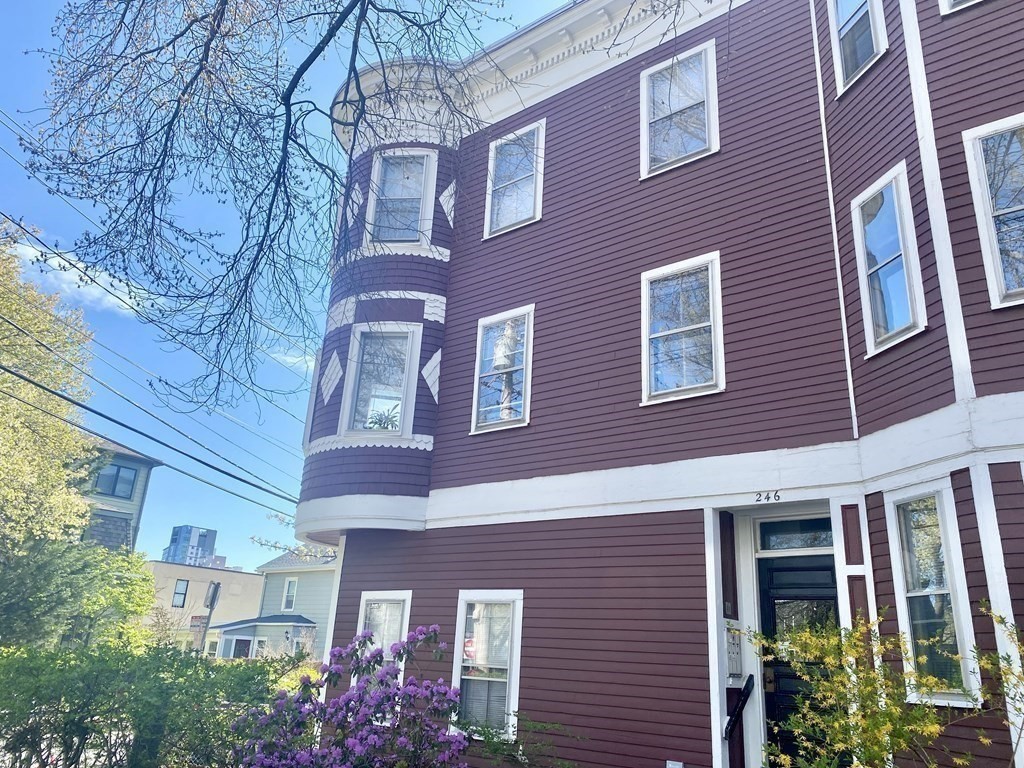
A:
[294,609]
[118,495]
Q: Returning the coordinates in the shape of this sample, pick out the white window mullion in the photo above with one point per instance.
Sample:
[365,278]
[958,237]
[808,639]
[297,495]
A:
[883,230]
[919,557]
[679,110]
[505,346]
[678,360]
[499,217]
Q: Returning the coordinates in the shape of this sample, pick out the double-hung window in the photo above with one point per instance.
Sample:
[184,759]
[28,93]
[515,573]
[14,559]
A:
[679,110]
[504,351]
[380,381]
[291,586]
[401,197]
[891,290]
[116,480]
[681,313]
[931,590]
[858,37]
[386,615]
[180,591]
[995,155]
[515,180]
[487,648]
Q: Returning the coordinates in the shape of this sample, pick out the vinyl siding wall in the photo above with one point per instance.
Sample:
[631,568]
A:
[870,130]
[961,737]
[973,59]
[312,598]
[761,201]
[614,622]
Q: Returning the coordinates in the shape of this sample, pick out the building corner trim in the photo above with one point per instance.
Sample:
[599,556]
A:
[952,310]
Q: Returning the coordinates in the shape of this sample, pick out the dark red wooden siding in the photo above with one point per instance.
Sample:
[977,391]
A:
[1008,489]
[961,737]
[761,201]
[614,622]
[973,59]
[870,130]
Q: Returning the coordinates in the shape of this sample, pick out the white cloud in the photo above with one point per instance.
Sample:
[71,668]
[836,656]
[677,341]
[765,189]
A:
[46,271]
[301,363]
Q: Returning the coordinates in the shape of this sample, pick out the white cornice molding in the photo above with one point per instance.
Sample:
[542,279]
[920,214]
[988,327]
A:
[573,46]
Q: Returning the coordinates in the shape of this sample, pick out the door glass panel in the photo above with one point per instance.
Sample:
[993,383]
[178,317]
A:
[792,615]
[796,534]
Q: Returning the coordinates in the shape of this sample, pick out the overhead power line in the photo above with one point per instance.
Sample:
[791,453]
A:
[161,461]
[133,403]
[136,430]
[77,267]
[86,338]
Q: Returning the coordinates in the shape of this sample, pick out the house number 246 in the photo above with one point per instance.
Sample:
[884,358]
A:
[766,496]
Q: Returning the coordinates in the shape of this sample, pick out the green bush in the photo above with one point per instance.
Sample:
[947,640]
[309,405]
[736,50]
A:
[111,706]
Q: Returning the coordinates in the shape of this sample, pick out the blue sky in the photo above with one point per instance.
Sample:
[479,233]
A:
[173,499]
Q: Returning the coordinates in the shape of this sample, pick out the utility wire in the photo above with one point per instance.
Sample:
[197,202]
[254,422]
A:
[136,312]
[272,442]
[24,136]
[128,400]
[136,430]
[160,461]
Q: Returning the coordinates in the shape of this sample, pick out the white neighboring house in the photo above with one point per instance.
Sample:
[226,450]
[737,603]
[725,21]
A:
[294,610]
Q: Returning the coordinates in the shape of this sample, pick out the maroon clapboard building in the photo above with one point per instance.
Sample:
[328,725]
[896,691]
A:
[717,325]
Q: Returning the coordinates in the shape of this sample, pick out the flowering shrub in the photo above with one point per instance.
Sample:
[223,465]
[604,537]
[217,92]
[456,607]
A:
[382,721]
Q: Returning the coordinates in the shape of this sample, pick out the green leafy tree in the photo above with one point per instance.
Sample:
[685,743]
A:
[43,462]
[116,707]
[72,590]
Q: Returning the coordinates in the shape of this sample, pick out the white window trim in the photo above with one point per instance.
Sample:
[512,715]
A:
[426,199]
[527,310]
[879,35]
[911,260]
[946,7]
[707,50]
[514,596]
[284,594]
[253,640]
[711,260]
[385,595]
[956,576]
[983,207]
[404,435]
[538,178]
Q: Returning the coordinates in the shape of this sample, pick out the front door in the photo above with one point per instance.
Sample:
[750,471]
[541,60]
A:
[795,592]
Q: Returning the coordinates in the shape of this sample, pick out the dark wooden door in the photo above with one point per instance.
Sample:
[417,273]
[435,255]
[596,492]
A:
[796,592]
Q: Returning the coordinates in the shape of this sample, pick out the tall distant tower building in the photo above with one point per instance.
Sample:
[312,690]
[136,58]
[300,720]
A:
[191,545]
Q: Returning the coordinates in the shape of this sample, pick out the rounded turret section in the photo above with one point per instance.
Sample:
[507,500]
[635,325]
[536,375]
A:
[373,406]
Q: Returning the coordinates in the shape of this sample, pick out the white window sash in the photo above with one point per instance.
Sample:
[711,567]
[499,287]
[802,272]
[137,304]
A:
[538,177]
[879,38]
[710,261]
[515,598]
[391,595]
[413,332]
[710,66]
[426,198]
[292,585]
[952,6]
[984,210]
[527,367]
[897,178]
[956,580]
